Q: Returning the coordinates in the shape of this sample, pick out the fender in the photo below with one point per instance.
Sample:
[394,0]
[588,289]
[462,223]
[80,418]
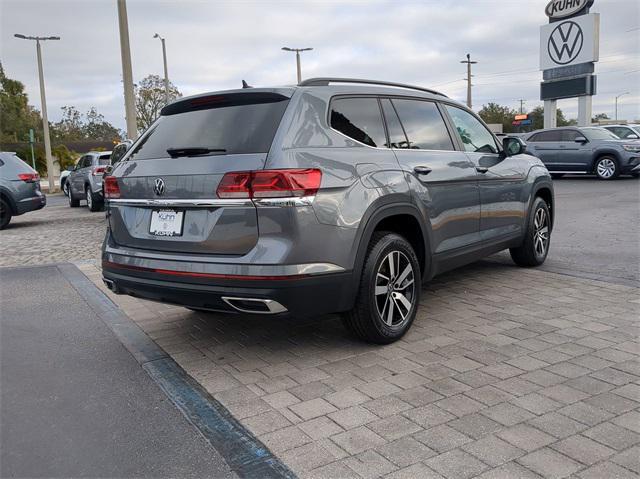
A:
[539,183]
[6,195]
[372,218]
[603,151]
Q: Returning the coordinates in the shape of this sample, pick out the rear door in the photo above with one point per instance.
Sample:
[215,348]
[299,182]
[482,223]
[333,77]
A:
[168,180]
[441,178]
[546,146]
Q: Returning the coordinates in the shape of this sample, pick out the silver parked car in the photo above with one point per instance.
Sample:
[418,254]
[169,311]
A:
[85,180]
[330,196]
[19,188]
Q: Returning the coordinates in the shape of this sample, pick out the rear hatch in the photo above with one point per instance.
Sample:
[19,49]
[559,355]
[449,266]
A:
[168,180]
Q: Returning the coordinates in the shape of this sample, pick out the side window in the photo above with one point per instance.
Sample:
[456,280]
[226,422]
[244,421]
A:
[397,138]
[474,135]
[118,153]
[423,125]
[623,132]
[82,162]
[360,119]
[570,135]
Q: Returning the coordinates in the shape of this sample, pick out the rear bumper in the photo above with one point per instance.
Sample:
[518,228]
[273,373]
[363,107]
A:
[302,296]
[31,204]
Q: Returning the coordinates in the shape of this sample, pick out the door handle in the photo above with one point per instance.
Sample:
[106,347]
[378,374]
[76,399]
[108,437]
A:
[422,170]
[481,169]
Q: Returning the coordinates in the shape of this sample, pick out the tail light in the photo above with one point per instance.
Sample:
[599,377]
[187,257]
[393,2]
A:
[111,188]
[98,170]
[29,177]
[270,183]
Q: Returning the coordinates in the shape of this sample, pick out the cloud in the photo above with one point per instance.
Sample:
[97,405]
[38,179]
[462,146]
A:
[214,45]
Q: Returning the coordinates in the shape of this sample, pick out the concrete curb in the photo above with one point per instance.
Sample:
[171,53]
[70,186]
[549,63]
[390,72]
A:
[242,451]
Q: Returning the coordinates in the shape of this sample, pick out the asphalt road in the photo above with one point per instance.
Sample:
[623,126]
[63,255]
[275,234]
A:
[596,229]
[75,403]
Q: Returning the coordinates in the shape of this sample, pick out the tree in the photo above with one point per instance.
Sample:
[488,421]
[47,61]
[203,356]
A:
[74,126]
[150,98]
[494,113]
[16,115]
[537,118]
[600,117]
[97,128]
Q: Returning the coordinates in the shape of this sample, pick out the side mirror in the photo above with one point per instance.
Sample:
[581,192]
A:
[580,139]
[513,146]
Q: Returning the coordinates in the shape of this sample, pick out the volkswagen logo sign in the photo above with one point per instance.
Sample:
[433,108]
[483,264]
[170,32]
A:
[159,187]
[565,42]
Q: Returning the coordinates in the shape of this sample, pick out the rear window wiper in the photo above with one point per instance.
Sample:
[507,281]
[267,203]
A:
[193,151]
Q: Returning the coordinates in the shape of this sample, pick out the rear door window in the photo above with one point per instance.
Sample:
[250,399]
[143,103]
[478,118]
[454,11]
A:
[397,138]
[476,138]
[360,119]
[553,135]
[236,123]
[423,125]
[104,159]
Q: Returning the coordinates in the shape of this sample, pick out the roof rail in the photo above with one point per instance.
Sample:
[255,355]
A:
[324,81]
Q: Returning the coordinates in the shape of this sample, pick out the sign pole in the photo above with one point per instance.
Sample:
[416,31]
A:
[550,116]
[31,141]
[585,110]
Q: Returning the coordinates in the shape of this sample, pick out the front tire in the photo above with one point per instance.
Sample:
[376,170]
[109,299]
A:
[389,291]
[607,168]
[73,203]
[535,247]
[5,214]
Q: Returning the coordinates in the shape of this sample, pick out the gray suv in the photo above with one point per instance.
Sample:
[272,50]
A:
[585,150]
[85,180]
[327,197]
[19,188]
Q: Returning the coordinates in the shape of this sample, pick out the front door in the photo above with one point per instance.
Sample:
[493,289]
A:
[500,177]
[442,179]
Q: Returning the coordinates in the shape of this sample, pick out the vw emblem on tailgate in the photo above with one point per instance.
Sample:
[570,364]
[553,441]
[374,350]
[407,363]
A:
[158,186]
[565,42]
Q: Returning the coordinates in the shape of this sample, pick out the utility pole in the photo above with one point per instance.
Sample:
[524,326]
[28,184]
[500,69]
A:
[521,105]
[618,96]
[127,75]
[297,50]
[166,73]
[469,75]
[43,100]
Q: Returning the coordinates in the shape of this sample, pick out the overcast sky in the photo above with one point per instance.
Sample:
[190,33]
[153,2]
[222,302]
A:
[213,45]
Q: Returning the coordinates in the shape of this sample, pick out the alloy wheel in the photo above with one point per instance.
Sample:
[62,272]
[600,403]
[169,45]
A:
[606,168]
[65,188]
[395,288]
[89,199]
[540,232]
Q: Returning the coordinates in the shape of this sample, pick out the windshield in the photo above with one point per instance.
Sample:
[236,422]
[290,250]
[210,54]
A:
[234,126]
[596,133]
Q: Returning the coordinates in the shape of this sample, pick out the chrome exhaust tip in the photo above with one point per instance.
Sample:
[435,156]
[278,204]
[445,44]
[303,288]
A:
[254,305]
[111,285]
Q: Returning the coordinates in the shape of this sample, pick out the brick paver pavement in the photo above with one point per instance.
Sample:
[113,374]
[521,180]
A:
[53,234]
[507,372]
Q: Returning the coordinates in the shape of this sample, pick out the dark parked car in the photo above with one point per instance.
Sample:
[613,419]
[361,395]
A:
[85,180]
[624,132]
[585,150]
[19,188]
[330,196]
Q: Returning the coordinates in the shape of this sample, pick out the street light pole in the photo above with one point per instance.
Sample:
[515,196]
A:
[166,72]
[43,101]
[297,50]
[127,74]
[618,96]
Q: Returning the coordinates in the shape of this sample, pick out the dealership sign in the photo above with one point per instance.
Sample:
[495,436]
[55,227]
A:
[570,42]
[565,8]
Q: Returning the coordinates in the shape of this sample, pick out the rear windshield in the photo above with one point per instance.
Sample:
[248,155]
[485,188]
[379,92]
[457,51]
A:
[231,124]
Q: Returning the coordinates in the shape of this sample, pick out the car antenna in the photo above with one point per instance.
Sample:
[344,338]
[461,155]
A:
[245,84]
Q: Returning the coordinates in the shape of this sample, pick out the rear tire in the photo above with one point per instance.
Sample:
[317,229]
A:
[5,214]
[389,291]
[607,168]
[535,247]
[73,203]
[93,201]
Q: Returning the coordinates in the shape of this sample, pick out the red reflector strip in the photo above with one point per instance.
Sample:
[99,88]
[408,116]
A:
[237,277]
